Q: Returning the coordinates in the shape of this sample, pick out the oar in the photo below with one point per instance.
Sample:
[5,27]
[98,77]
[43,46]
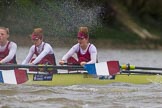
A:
[113,64]
[142,72]
[18,76]
[41,66]
[113,68]
[102,68]
[15,76]
[133,67]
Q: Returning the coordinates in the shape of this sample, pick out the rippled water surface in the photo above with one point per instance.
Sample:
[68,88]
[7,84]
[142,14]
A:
[115,95]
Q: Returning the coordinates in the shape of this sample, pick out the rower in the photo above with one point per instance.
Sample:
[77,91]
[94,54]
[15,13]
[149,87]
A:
[85,51]
[40,53]
[7,48]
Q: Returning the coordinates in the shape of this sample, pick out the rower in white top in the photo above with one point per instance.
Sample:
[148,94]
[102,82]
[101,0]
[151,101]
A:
[40,52]
[7,48]
[86,52]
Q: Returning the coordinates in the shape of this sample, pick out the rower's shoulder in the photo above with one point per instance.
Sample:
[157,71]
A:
[92,45]
[12,44]
[48,45]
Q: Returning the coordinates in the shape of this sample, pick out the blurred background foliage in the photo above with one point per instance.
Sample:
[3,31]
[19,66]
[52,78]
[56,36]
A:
[108,19]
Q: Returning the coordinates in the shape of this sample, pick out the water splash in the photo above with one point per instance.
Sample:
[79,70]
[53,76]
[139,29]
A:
[57,18]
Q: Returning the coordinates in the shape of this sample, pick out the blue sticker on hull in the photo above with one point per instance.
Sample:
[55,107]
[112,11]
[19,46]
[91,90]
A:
[1,77]
[42,77]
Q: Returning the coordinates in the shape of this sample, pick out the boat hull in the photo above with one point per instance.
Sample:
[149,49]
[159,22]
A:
[64,79]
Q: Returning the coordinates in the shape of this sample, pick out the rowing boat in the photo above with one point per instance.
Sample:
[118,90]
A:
[96,74]
[64,79]
[83,78]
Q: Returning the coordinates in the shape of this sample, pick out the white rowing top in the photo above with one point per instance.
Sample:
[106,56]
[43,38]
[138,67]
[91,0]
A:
[75,49]
[42,49]
[12,51]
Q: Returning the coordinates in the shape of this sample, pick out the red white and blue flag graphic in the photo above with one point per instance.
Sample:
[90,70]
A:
[103,68]
[17,76]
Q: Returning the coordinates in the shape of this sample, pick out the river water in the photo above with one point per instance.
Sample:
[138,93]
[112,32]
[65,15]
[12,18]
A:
[116,95]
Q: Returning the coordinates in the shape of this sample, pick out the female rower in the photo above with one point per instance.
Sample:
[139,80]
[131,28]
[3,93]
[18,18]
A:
[43,51]
[86,52]
[7,48]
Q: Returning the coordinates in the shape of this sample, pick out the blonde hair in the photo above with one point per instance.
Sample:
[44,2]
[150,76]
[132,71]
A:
[6,29]
[83,30]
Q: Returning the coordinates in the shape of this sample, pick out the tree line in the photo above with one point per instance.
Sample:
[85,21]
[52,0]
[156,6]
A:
[146,11]
[142,8]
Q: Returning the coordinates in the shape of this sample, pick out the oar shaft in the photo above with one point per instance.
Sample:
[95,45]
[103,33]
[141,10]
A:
[141,72]
[133,67]
[148,68]
[42,66]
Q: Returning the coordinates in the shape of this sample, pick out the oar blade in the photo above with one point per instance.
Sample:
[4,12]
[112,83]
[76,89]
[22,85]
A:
[103,68]
[17,76]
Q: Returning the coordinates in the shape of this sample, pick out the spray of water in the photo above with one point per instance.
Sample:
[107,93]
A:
[57,18]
